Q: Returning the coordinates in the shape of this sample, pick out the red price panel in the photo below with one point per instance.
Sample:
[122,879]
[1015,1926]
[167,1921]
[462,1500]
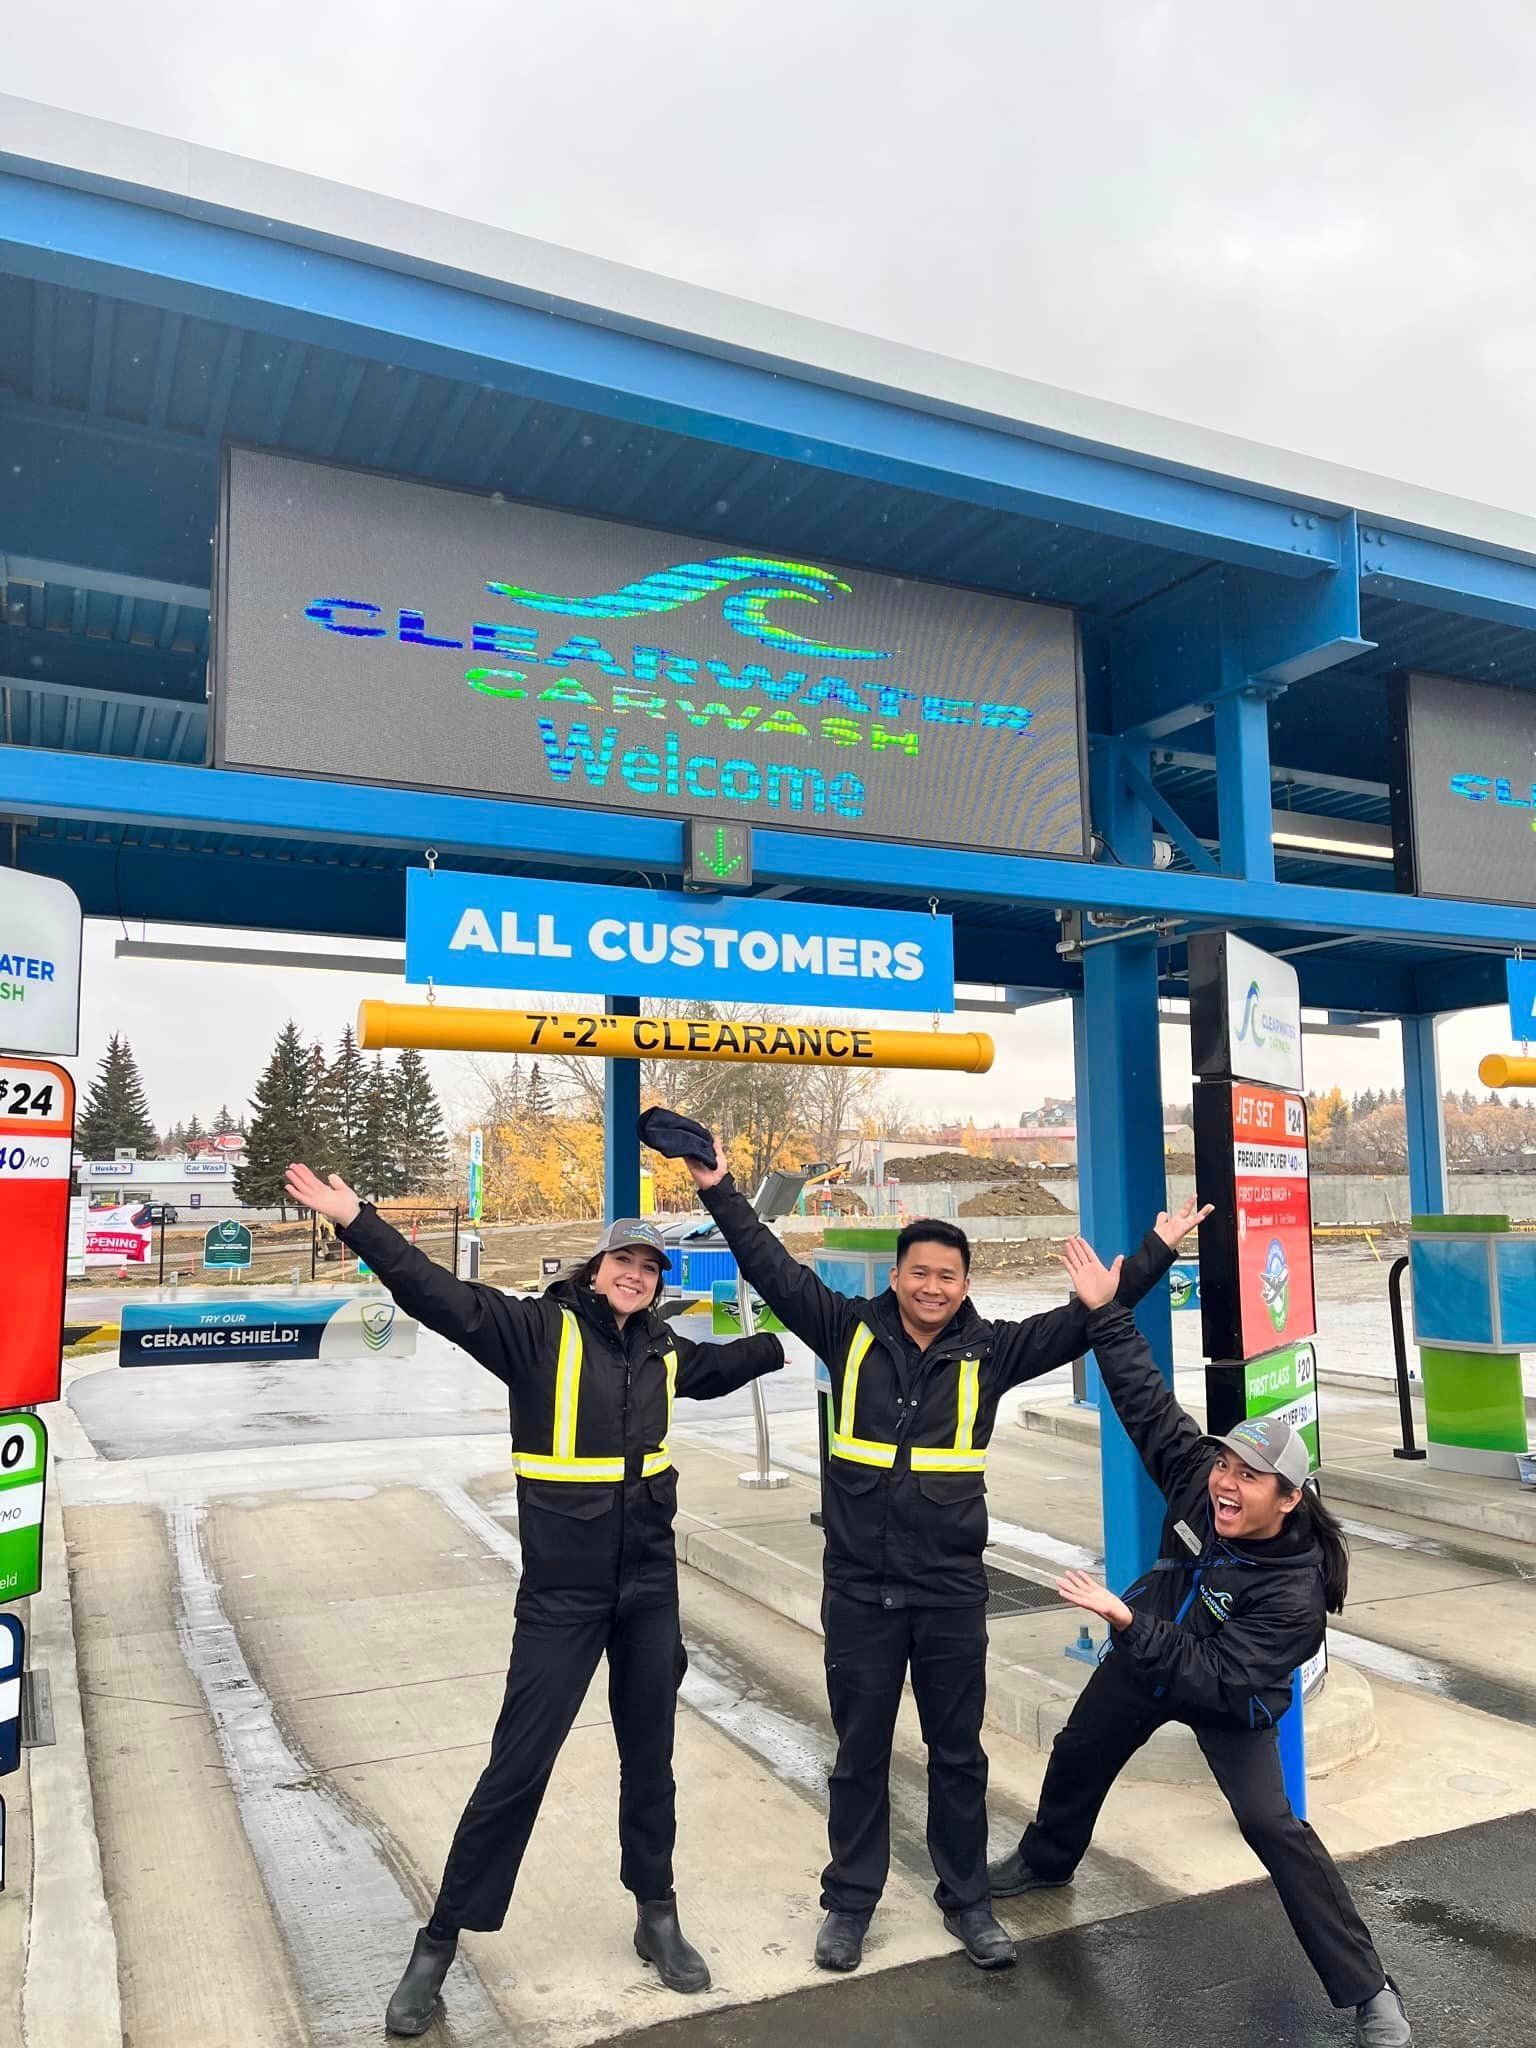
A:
[37,1124]
[1274,1218]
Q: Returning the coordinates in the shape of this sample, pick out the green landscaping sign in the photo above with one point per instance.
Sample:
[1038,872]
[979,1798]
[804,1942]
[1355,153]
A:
[227,1247]
[23,1465]
[1285,1383]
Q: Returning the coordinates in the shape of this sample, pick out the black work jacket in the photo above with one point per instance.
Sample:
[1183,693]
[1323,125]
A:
[895,1536]
[1217,1627]
[585,1545]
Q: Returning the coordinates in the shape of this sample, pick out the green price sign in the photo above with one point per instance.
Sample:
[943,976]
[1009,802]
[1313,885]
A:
[1285,1383]
[23,1466]
[227,1246]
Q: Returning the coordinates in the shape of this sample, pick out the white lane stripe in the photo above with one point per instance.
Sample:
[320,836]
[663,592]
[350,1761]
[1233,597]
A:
[346,1921]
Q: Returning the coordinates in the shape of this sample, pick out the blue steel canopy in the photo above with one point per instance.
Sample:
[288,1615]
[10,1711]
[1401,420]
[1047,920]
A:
[1240,608]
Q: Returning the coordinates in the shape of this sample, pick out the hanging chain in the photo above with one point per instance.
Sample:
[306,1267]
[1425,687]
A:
[431,991]
[431,860]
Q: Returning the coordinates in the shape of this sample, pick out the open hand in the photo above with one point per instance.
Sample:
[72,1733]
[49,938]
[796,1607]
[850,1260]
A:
[1079,1590]
[708,1176]
[1172,1229]
[1094,1282]
[332,1198]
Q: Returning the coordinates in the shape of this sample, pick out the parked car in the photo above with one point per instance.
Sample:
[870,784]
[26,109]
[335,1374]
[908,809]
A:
[156,1212]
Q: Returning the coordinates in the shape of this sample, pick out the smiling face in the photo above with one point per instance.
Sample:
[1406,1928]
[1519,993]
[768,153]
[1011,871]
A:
[929,1283]
[1246,1502]
[628,1280]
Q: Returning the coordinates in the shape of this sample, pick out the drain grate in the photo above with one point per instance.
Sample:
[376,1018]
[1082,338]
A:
[36,1710]
[1010,1593]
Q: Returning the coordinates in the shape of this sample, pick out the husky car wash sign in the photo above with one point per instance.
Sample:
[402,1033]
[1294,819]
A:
[374,629]
[486,931]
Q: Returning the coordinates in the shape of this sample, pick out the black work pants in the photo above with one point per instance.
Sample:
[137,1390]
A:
[868,1652]
[1110,1722]
[552,1665]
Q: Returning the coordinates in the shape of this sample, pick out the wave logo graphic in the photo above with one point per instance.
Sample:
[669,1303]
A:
[378,1319]
[1249,1028]
[766,580]
[1275,1284]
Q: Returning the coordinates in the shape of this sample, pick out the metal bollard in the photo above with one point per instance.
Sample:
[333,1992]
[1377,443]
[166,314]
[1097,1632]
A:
[763,1474]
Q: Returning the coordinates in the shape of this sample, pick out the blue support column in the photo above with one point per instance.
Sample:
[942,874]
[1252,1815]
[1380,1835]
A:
[1084,1165]
[1426,1118]
[1292,1735]
[1243,797]
[1120,1155]
[621,1113]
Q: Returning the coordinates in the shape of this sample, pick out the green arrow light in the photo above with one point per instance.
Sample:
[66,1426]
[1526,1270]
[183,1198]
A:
[720,862]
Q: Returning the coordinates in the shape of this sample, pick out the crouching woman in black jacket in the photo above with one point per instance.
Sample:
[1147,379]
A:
[592,1371]
[1249,1565]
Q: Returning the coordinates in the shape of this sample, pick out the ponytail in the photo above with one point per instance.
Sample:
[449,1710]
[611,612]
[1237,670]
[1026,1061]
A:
[1322,1524]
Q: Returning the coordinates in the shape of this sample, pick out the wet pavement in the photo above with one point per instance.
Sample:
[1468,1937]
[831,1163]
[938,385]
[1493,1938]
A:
[1453,1916]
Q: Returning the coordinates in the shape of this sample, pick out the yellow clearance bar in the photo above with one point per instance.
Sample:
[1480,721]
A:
[438,1027]
[1507,1070]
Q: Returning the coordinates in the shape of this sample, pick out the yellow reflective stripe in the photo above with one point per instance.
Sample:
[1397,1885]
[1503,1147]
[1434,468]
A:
[863,1337]
[925,1459]
[655,1462]
[567,1387]
[669,1359]
[969,1399]
[587,1471]
[861,1452]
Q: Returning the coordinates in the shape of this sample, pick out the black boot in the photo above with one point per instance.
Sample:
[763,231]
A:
[659,1940]
[1013,1875]
[840,1941]
[412,2008]
[987,1944]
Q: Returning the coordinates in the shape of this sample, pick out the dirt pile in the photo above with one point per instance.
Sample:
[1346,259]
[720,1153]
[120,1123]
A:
[1024,1197]
[951,1166]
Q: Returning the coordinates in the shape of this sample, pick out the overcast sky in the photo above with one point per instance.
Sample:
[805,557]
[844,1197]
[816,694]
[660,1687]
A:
[1308,225]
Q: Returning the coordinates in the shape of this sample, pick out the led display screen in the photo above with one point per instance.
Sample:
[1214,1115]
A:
[378,630]
[1464,789]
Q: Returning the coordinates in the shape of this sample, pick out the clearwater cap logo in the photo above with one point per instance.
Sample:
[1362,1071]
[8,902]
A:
[767,579]
[1270,1444]
[639,1232]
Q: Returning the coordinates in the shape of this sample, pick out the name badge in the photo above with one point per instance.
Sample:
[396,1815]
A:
[1187,1537]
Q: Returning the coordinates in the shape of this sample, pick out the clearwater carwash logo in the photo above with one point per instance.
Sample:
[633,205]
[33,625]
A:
[1275,1284]
[1220,1604]
[1249,1028]
[766,580]
[378,1319]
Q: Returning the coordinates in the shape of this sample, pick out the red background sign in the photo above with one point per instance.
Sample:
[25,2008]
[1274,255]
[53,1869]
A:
[37,1123]
[1274,1218]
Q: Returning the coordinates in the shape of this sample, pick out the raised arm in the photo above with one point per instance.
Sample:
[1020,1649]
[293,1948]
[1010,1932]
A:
[803,1302]
[1039,1344]
[501,1331]
[1167,1439]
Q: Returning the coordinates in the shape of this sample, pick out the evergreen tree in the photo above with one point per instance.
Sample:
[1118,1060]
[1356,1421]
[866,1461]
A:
[423,1144]
[176,1137]
[223,1123]
[538,1102]
[346,1093]
[378,1159]
[193,1135]
[116,1110]
[288,1122]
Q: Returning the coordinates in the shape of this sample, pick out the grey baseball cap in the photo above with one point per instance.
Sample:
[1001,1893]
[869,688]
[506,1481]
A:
[1269,1445]
[639,1232]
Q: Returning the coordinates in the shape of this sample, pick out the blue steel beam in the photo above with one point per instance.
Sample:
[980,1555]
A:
[1452,578]
[1426,1117]
[62,785]
[621,1116]
[311,294]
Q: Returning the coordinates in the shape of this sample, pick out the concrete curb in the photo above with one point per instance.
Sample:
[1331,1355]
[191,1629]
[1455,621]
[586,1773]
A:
[69,1994]
[1390,1492]
[1022,1701]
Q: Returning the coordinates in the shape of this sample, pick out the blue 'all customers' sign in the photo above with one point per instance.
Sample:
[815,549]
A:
[486,931]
